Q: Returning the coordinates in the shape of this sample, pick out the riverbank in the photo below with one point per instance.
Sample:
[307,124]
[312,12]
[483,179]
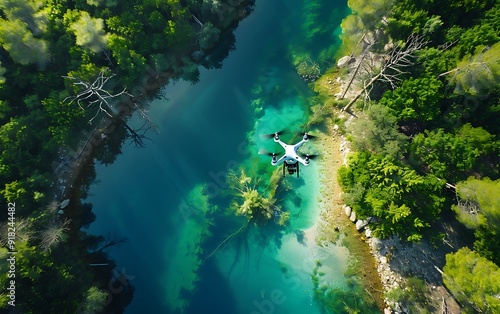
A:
[402,275]
[332,223]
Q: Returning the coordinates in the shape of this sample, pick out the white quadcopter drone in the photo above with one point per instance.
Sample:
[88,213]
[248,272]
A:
[291,158]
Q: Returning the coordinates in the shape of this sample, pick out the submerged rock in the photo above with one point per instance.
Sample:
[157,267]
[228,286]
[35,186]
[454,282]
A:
[343,61]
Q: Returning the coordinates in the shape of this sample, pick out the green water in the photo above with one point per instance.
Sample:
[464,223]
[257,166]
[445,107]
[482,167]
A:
[171,201]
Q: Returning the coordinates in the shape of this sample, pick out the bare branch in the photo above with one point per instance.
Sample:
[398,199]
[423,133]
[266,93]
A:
[391,70]
[95,95]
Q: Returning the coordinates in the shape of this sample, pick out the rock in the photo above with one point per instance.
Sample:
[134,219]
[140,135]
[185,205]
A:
[368,233]
[387,311]
[360,224]
[348,211]
[64,204]
[383,260]
[353,216]
[60,212]
[343,61]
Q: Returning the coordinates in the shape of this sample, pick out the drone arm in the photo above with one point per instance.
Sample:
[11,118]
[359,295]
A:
[281,143]
[299,144]
[303,161]
[279,161]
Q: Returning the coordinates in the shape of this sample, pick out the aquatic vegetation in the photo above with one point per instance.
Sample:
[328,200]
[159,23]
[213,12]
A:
[353,298]
[197,211]
[250,198]
[308,70]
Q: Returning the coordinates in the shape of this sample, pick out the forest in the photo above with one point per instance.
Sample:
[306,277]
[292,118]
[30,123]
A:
[426,136]
[69,69]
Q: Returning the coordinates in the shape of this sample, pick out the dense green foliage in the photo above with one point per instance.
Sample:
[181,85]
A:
[479,209]
[430,130]
[434,139]
[474,280]
[143,43]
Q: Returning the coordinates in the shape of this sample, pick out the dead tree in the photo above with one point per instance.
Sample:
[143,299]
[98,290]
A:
[53,234]
[94,95]
[392,70]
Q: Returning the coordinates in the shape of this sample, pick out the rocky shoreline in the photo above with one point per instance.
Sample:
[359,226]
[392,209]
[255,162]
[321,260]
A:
[386,264]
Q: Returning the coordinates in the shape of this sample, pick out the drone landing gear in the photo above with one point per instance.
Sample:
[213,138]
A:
[291,168]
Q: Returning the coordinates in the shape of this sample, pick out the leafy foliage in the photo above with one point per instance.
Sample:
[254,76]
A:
[479,209]
[402,201]
[377,132]
[250,198]
[448,106]
[417,99]
[474,280]
[452,156]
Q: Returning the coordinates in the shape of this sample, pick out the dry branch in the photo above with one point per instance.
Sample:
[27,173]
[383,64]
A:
[392,70]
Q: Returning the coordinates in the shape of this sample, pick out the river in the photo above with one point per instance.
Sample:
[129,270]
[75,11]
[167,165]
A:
[167,199]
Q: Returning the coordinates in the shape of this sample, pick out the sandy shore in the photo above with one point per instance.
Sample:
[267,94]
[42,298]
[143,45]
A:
[332,221]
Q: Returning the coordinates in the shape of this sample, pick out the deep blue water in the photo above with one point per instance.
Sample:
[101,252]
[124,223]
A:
[152,195]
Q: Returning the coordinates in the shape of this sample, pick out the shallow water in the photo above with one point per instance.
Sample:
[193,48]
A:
[154,196]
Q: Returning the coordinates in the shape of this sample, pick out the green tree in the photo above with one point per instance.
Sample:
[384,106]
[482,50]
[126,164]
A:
[377,132]
[451,156]
[208,36]
[417,99]
[474,280]
[23,48]
[28,12]
[404,202]
[478,208]
[95,301]
[90,32]
[479,74]
[370,12]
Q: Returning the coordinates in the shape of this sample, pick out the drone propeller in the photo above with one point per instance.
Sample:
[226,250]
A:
[263,151]
[271,135]
[308,157]
[308,136]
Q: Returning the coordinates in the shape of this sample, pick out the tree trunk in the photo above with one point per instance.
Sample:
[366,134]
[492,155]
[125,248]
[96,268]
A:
[361,92]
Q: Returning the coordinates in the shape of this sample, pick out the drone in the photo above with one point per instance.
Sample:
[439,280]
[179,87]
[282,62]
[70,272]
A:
[291,159]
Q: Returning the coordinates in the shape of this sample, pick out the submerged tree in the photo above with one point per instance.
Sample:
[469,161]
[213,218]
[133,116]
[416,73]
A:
[250,201]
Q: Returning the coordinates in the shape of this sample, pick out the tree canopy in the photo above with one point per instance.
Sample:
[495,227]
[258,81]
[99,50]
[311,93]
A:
[474,280]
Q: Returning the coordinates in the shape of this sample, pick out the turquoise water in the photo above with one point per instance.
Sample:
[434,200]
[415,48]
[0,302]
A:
[168,198]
